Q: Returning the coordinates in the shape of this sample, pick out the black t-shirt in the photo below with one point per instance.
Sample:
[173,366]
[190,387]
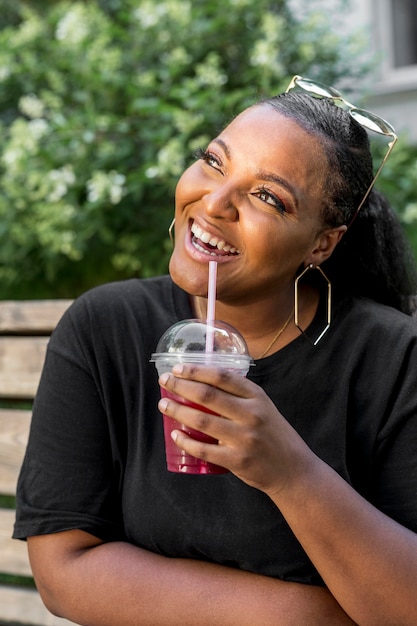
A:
[95,459]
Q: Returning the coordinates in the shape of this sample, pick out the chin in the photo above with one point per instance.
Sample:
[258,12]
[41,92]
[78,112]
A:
[187,278]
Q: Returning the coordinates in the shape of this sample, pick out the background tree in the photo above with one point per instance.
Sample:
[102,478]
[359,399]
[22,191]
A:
[102,104]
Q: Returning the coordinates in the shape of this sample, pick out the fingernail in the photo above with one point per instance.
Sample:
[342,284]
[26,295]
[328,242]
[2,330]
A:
[174,435]
[178,369]
[162,405]
[163,379]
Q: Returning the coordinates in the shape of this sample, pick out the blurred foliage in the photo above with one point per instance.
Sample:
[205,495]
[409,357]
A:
[399,183]
[102,105]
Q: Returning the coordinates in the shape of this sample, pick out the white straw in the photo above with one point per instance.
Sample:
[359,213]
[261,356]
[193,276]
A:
[211,305]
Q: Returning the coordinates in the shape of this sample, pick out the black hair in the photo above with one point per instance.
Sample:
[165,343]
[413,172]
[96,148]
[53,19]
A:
[373,258]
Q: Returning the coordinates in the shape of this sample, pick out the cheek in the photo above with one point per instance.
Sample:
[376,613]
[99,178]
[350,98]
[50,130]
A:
[187,189]
[275,242]
[264,232]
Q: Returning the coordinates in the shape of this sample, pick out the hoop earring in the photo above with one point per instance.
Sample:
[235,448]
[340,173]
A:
[170,233]
[329,302]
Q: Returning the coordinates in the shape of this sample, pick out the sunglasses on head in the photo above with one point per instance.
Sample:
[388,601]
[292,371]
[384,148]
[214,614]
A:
[366,119]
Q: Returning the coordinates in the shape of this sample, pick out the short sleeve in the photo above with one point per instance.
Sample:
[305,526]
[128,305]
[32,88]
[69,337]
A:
[69,478]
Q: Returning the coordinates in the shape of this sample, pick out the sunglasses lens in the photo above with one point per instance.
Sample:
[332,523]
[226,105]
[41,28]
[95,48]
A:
[317,89]
[371,121]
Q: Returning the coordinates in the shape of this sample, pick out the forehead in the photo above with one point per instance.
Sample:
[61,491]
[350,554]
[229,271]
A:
[263,138]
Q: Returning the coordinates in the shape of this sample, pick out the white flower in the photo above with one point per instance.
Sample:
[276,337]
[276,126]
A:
[149,13]
[11,156]
[32,106]
[96,187]
[88,136]
[209,74]
[410,214]
[38,128]
[152,172]
[187,121]
[170,158]
[265,50]
[4,72]
[116,189]
[73,27]
[23,141]
[106,186]
[60,179]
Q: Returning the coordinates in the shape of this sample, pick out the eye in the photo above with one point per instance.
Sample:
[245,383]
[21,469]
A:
[208,157]
[271,199]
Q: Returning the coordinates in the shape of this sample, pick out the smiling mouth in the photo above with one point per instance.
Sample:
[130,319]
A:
[209,244]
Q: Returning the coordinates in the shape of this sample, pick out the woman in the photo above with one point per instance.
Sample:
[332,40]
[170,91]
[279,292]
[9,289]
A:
[315,523]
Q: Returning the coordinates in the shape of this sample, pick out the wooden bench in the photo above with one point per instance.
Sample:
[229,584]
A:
[24,330]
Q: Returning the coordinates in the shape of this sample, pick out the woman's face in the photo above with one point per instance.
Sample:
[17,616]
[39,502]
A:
[252,202]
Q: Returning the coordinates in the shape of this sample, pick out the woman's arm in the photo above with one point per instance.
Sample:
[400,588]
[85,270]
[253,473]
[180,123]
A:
[118,584]
[367,560]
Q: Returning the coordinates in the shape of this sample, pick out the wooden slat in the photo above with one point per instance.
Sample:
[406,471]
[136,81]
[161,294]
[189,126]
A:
[24,606]
[14,431]
[25,327]
[21,605]
[26,316]
[21,360]
[14,557]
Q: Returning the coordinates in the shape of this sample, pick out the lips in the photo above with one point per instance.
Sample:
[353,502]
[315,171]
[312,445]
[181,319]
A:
[210,244]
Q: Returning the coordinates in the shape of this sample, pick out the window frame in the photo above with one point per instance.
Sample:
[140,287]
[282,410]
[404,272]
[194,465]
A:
[384,33]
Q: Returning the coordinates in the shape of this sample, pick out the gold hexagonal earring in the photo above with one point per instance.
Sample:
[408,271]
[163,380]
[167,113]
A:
[170,232]
[329,302]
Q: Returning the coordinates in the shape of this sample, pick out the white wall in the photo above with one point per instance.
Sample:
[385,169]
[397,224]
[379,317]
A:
[392,95]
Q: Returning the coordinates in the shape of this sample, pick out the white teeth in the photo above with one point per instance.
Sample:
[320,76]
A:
[195,244]
[205,237]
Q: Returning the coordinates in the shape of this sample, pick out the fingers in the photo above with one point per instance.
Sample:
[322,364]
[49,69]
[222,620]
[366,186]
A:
[210,452]
[231,381]
[194,416]
[214,388]
[211,390]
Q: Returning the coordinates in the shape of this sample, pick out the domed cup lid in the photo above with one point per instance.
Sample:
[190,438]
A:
[188,338]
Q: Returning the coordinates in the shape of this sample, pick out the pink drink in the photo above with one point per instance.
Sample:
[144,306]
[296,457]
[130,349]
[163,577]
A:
[185,342]
[178,460]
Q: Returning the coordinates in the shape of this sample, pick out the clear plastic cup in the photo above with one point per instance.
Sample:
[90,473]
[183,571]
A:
[185,342]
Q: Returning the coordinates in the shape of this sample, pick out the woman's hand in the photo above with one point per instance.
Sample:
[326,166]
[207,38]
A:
[256,443]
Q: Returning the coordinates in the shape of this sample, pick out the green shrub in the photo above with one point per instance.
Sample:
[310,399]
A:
[102,105]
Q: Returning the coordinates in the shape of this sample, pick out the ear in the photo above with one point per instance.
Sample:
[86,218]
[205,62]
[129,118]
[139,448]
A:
[325,244]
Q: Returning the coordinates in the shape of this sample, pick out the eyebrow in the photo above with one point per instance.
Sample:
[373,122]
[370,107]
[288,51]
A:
[223,145]
[263,174]
[274,178]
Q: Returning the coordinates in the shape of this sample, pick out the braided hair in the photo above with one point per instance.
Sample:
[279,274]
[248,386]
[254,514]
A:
[373,258]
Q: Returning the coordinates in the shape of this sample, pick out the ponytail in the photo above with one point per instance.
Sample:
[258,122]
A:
[374,258]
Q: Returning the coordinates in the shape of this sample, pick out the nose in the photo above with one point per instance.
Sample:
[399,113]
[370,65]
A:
[221,202]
